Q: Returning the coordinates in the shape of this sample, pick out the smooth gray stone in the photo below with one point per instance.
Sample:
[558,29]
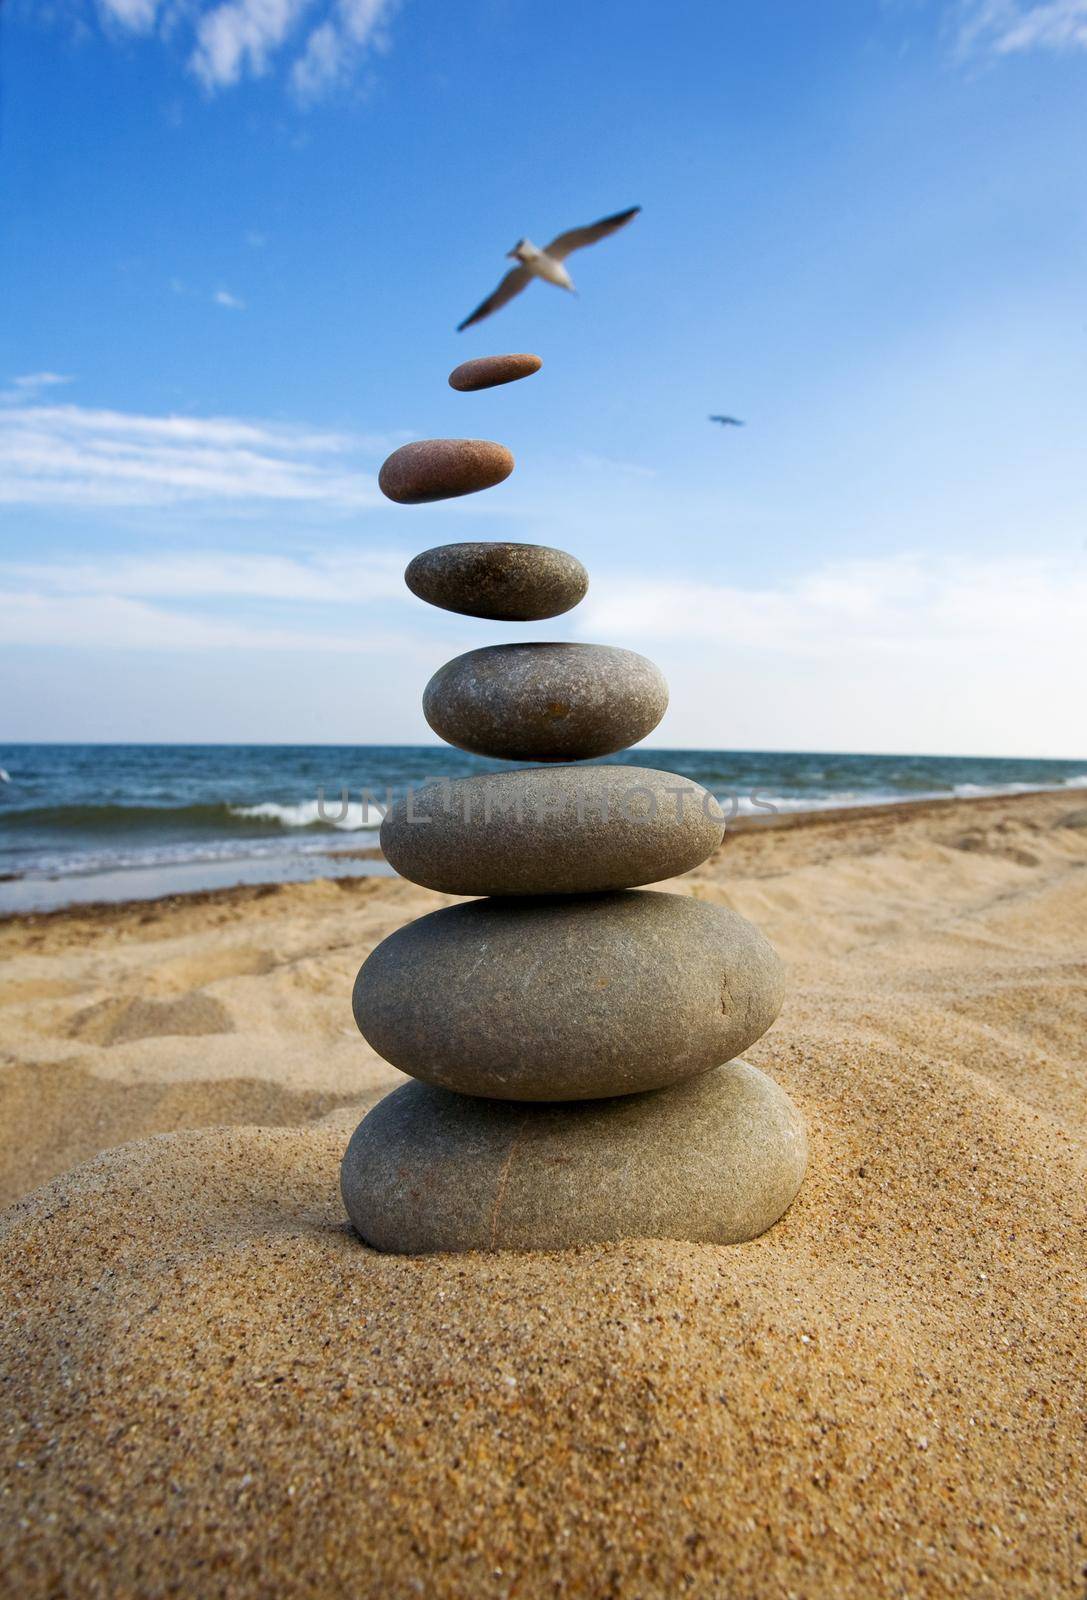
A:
[716,1160]
[503,581]
[552,830]
[545,702]
[442,469]
[568,998]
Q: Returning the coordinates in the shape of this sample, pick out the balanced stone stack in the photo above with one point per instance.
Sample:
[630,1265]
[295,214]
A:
[572,1038]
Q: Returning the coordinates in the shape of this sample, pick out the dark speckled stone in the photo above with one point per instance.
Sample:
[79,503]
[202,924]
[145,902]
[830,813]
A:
[545,702]
[487,371]
[568,998]
[552,830]
[505,582]
[442,469]
[716,1160]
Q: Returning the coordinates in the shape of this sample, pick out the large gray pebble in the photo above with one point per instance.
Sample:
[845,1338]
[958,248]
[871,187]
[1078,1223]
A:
[504,581]
[568,998]
[545,702]
[718,1160]
[552,830]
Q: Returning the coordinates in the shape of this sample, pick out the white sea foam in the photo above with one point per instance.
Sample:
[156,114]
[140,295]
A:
[306,813]
[972,791]
[759,803]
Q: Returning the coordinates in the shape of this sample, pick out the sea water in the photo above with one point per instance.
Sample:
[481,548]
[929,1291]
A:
[95,821]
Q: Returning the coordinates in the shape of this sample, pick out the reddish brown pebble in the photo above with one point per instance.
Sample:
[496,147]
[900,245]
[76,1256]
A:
[488,371]
[442,469]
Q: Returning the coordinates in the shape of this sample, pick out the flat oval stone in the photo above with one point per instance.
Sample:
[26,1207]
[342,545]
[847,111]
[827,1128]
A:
[442,469]
[716,1160]
[485,372]
[545,702]
[504,581]
[551,830]
[568,998]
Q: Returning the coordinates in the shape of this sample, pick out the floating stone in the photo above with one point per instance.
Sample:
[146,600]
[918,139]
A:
[552,830]
[442,469]
[503,581]
[716,1160]
[568,998]
[485,372]
[545,702]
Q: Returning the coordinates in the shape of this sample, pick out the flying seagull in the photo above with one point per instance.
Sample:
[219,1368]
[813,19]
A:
[728,422]
[532,262]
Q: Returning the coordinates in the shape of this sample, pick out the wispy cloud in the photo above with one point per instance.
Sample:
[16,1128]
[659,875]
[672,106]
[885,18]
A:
[336,578]
[976,653]
[336,46]
[208,600]
[225,298]
[137,15]
[897,654]
[321,43]
[113,622]
[897,606]
[77,456]
[239,38]
[30,385]
[257,601]
[1005,27]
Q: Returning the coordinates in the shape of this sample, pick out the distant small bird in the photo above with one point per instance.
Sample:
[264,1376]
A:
[546,264]
[728,422]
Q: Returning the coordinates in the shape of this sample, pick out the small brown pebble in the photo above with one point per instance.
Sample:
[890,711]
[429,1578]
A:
[486,372]
[442,469]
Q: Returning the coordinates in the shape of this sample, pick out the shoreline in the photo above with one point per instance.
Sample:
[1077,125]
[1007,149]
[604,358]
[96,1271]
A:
[363,862]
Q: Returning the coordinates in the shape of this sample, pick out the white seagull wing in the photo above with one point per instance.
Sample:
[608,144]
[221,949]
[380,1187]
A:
[577,238]
[512,284]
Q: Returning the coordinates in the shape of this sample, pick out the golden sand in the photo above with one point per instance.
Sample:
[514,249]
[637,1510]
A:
[209,1387]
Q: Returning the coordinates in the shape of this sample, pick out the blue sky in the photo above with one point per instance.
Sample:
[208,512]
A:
[237,236]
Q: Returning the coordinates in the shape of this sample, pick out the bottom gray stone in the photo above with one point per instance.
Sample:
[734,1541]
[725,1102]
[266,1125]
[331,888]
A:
[715,1159]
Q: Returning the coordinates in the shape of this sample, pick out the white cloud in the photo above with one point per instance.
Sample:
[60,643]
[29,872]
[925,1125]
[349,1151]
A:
[237,39]
[336,45]
[114,622]
[137,15]
[320,64]
[893,607]
[979,656]
[76,456]
[30,385]
[1005,27]
[223,297]
[137,603]
[341,577]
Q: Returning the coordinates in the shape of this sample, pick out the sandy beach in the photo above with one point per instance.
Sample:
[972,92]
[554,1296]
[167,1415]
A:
[209,1386]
